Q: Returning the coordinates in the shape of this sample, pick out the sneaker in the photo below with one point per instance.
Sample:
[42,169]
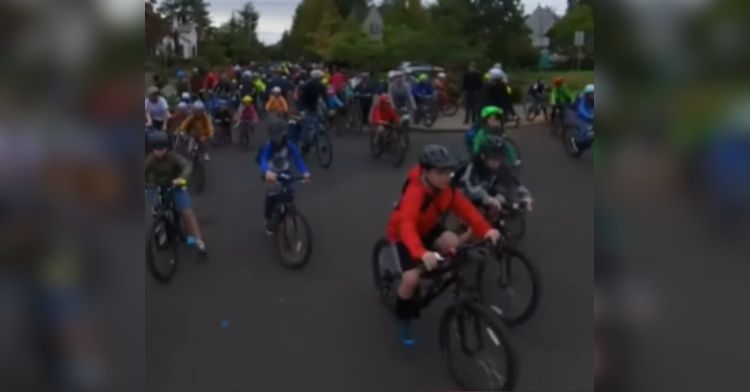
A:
[200,245]
[190,240]
[206,157]
[404,334]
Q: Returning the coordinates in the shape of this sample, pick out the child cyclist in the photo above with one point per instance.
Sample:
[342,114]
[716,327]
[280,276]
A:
[416,226]
[491,123]
[166,168]
[383,114]
[276,157]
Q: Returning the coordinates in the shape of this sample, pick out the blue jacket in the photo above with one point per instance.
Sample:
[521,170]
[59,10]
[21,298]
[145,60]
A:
[267,153]
[584,110]
[422,89]
[333,102]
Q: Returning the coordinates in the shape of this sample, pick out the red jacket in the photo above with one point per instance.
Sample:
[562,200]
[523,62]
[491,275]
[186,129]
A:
[383,114]
[210,82]
[408,224]
[338,81]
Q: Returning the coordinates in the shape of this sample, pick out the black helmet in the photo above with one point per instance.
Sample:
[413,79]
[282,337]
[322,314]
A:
[157,140]
[276,131]
[437,157]
[494,147]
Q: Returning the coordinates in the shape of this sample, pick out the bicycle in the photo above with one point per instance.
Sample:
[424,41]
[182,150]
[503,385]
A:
[247,130]
[287,222]
[569,136]
[165,236]
[321,141]
[534,106]
[394,140]
[447,105]
[557,120]
[467,326]
[428,109]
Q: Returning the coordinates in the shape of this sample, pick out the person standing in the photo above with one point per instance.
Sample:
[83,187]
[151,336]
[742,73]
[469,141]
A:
[472,88]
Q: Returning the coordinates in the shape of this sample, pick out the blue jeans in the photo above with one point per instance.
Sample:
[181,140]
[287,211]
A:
[181,198]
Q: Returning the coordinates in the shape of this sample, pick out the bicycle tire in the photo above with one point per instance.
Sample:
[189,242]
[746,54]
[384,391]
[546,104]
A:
[400,146]
[385,284]
[173,243]
[511,260]
[376,145]
[198,176]
[495,332]
[568,134]
[300,222]
[324,150]
[515,227]
[449,109]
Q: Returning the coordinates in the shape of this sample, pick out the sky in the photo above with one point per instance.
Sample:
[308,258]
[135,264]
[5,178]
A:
[276,15]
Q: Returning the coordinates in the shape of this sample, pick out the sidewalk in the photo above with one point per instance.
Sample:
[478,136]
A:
[454,124]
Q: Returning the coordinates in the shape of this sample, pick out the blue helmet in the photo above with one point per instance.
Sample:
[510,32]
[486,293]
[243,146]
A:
[181,74]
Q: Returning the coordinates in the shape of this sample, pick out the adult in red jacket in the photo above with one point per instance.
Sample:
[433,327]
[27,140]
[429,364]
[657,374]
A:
[210,81]
[416,225]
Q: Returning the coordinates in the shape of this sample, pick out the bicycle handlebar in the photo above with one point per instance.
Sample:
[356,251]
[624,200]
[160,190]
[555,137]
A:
[449,263]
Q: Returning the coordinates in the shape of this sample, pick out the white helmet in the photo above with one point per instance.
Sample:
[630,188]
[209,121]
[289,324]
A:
[198,106]
[589,89]
[182,106]
[152,90]
[316,74]
[186,96]
[442,75]
[276,90]
[247,74]
[496,74]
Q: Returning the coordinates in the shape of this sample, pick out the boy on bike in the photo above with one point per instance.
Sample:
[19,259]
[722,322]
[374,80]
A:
[583,119]
[277,104]
[491,123]
[246,114]
[487,180]
[423,92]
[198,126]
[274,159]
[383,114]
[559,97]
[416,226]
[167,169]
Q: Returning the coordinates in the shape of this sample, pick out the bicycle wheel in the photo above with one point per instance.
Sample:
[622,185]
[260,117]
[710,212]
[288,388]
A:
[324,150]
[569,143]
[293,239]
[477,352]
[514,225]
[198,176]
[376,145]
[162,251]
[429,117]
[515,163]
[398,147]
[450,108]
[386,272]
[531,112]
[511,287]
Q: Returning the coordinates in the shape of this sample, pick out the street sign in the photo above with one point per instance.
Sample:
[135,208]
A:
[579,38]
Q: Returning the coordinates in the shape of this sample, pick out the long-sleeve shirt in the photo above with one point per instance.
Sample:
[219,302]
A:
[560,96]
[478,182]
[277,105]
[422,90]
[383,115]
[247,113]
[278,159]
[198,125]
[400,94]
[162,171]
[472,81]
[409,222]
[584,110]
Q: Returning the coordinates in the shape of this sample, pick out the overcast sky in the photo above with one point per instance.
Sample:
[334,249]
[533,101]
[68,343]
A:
[276,15]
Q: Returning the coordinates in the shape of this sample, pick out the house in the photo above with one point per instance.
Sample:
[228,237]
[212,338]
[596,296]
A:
[373,24]
[181,42]
[540,22]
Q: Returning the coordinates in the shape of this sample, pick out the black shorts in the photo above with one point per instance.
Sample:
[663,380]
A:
[404,256]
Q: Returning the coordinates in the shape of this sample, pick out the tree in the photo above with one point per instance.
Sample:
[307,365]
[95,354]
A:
[563,33]
[321,39]
[407,12]
[307,20]
[156,27]
[187,11]
[351,7]
[248,18]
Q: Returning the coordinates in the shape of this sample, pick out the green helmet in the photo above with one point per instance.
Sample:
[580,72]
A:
[491,111]
[423,77]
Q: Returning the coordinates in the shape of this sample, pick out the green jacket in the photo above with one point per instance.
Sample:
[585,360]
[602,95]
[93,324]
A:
[161,172]
[560,95]
[479,139]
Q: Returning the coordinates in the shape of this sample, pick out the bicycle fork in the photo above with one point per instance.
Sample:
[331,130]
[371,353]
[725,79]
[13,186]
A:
[463,318]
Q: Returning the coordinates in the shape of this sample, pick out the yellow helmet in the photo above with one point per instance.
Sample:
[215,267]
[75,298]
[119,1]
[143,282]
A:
[325,80]
[247,99]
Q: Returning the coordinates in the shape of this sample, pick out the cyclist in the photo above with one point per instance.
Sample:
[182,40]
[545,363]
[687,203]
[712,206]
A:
[400,93]
[274,159]
[186,98]
[486,180]
[364,92]
[416,227]
[383,114]
[165,168]
[559,97]
[199,127]
[311,94]
[222,115]
[496,93]
[423,92]
[183,84]
[583,119]
[491,124]
[157,110]
[537,91]
[260,89]
[246,115]
[277,103]
[180,115]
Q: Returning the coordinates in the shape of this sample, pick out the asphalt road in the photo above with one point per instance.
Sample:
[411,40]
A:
[242,322]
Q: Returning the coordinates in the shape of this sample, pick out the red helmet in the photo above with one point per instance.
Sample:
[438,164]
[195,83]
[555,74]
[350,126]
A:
[558,81]
[384,100]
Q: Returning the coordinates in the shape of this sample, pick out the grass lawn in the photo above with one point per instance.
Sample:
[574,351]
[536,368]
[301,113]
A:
[576,80]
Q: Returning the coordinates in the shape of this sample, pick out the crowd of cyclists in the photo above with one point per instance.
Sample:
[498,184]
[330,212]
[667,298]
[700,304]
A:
[243,97]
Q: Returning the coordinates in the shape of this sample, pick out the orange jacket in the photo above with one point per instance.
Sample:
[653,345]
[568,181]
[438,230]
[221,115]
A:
[198,125]
[277,105]
[408,223]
